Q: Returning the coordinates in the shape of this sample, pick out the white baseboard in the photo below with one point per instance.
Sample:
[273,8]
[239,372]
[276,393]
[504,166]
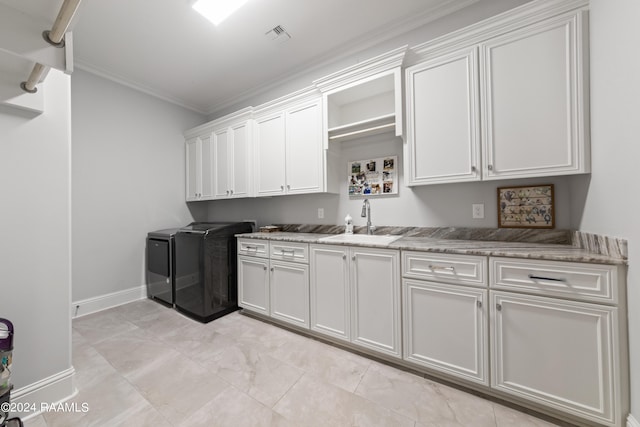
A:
[56,388]
[632,422]
[103,302]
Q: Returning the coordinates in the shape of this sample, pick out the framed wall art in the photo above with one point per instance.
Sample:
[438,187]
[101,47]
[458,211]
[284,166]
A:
[526,207]
[373,177]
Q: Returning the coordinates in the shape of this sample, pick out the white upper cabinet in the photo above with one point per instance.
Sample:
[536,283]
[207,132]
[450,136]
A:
[364,99]
[511,91]
[193,163]
[232,158]
[304,150]
[290,157]
[219,158]
[199,171]
[270,155]
[533,101]
[443,119]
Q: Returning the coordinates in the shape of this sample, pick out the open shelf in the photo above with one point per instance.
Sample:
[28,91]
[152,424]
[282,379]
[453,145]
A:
[367,127]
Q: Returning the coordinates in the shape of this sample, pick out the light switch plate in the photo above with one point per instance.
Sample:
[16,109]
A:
[320,213]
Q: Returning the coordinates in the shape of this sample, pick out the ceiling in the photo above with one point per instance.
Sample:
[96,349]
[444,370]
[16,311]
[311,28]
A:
[163,47]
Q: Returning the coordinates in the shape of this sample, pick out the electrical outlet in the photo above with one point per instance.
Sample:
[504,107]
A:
[320,213]
[478,210]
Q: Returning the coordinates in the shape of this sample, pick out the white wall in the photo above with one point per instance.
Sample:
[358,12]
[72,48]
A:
[128,179]
[35,252]
[424,206]
[611,203]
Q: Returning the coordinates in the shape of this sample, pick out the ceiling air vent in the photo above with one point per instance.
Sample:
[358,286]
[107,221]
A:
[278,34]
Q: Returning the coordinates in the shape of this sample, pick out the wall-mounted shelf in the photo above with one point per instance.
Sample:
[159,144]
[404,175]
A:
[365,99]
[367,127]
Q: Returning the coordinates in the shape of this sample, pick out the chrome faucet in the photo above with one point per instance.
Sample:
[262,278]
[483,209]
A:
[366,212]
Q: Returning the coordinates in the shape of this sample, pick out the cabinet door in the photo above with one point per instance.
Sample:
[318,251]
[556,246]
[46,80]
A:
[329,288]
[443,120]
[556,353]
[445,328]
[290,292]
[206,167]
[193,156]
[375,294]
[241,160]
[253,284]
[270,159]
[304,150]
[534,121]
[221,143]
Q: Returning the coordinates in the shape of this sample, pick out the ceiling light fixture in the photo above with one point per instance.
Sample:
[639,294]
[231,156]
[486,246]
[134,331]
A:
[217,11]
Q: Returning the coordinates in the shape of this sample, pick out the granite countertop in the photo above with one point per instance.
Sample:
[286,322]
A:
[416,242]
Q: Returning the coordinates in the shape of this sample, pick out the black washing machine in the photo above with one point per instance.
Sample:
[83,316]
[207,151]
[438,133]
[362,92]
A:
[206,285]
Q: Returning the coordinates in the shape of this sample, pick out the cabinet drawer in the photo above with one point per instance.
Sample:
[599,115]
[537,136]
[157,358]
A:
[460,269]
[289,251]
[589,282]
[253,247]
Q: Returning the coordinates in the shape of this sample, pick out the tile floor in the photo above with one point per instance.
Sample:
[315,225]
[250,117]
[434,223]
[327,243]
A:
[142,364]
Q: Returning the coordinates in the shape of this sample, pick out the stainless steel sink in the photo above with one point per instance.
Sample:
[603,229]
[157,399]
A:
[360,239]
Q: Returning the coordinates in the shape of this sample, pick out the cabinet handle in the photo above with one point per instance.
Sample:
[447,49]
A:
[479,304]
[553,279]
[499,307]
[288,251]
[490,167]
[441,267]
[251,248]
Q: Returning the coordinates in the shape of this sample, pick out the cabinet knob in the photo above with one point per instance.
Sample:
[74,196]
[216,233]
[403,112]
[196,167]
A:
[231,192]
[288,187]
[344,257]
[353,258]
[499,307]
[473,168]
[490,167]
[272,269]
[264,267]
[282,188]
[227,192]
[479,304]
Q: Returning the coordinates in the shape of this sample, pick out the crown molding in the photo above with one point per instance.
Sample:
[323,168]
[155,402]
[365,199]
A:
[512,19]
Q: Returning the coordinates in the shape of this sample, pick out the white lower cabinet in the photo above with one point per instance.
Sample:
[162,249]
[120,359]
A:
[355,296]
[253,284]
[375,293]
[273,280]
[445,328]
[556,352]
[445,314]
[558,333]
[329,288]
[289,292]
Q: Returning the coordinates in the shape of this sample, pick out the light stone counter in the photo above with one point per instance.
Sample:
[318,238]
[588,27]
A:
[413,241]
